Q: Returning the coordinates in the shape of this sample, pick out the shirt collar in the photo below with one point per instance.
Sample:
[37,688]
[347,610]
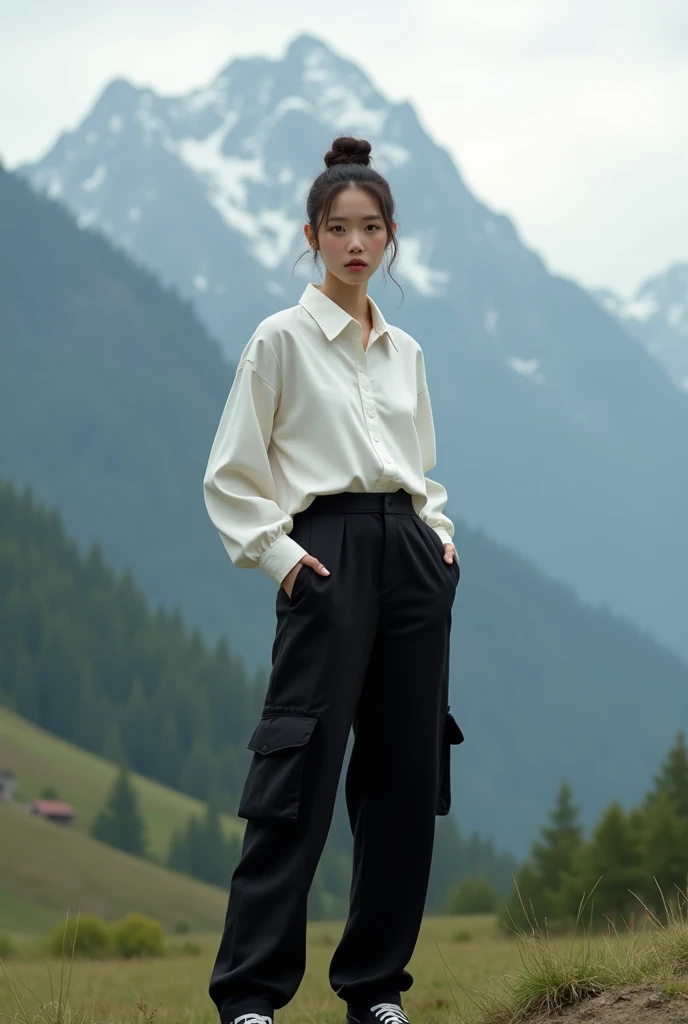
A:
[332,319]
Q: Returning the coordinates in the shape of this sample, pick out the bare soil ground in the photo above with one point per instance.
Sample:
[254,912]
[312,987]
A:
[642,1004]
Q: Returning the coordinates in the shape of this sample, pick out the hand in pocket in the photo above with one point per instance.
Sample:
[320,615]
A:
[307,560]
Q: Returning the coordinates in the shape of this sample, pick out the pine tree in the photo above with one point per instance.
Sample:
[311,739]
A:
[665,852]
[551,862]
[119,822]
[169,753]
[137,729]
[673,776]
[113,749]
[611,864]
[177,855]
[212,861]
[198,770]
[552,856]
[230,775]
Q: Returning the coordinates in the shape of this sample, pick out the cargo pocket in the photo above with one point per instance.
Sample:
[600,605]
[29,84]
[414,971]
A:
[272,791]
[451,736]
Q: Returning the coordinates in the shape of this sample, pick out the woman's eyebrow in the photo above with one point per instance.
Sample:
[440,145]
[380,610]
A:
[370,216]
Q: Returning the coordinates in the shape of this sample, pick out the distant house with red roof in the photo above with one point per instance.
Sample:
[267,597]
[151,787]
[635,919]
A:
[52,810]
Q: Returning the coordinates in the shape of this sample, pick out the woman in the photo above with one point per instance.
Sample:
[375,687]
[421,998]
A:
[316,476]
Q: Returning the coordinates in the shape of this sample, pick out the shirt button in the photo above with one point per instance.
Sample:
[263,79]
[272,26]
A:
[375,437]
[372,412]
[387,458]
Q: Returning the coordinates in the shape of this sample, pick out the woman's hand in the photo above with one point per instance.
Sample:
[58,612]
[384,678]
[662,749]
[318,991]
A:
[450,553]
[310,560]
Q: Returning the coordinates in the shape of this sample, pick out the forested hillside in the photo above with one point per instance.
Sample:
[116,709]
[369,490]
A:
[82,655]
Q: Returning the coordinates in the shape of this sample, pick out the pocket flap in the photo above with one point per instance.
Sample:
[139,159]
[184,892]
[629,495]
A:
[280,733]
[453,731]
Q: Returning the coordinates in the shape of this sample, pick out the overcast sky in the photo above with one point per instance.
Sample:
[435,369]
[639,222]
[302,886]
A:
[570,116]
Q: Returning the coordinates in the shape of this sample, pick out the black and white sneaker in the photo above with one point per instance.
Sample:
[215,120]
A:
[251,1018]
[378,1013]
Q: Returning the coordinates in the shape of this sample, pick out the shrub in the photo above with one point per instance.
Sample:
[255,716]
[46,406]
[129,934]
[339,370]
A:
[473,896]
[182,927]
[89,936]
[137,935]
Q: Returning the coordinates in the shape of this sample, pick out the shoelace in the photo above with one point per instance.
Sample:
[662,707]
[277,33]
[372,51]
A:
[252,1018]
[390,1013]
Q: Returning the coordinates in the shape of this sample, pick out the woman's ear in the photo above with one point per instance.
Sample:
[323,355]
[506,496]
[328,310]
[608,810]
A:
[309,236]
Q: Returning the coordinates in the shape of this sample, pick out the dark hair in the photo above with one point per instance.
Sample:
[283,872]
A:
[348,165]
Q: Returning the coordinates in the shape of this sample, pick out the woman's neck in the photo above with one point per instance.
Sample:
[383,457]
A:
[352,298]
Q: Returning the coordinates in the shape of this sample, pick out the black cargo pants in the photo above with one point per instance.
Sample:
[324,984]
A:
[368,647]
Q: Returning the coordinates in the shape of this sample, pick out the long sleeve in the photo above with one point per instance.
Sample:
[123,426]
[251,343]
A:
[238,484]
[432,512]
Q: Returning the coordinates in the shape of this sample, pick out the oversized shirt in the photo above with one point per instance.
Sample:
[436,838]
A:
[310,412]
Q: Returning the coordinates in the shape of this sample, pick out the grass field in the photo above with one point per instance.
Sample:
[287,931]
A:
[181,982]
[38,758]
[455,962]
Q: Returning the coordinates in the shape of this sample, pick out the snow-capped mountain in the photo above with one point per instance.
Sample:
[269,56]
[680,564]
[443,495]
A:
[657,315]
[554,433]
[209,188]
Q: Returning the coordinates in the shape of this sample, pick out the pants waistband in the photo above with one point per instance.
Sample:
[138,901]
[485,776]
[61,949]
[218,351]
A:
[396,502]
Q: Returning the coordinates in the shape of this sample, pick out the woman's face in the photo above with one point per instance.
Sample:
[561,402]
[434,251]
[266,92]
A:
[354,230]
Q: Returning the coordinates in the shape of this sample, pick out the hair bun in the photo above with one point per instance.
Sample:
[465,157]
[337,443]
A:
[348,150]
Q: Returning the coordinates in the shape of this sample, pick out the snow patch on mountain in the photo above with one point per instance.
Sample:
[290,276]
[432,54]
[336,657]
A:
[413,266]
[529,368]
[95,180]
[657,316]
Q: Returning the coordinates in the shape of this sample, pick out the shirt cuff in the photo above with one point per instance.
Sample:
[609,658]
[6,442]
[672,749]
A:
[280,557]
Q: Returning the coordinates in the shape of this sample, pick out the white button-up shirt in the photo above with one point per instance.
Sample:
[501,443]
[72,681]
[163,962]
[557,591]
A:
[312,412]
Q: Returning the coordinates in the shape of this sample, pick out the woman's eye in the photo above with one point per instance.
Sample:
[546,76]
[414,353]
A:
[334,227]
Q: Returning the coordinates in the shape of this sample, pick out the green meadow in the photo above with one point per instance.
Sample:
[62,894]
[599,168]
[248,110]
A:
[179,983]
[463,970]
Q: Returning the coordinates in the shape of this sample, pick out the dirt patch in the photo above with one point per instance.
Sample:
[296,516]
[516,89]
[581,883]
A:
[642,1004]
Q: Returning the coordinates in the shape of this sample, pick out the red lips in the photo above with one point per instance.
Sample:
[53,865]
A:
[356,263]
